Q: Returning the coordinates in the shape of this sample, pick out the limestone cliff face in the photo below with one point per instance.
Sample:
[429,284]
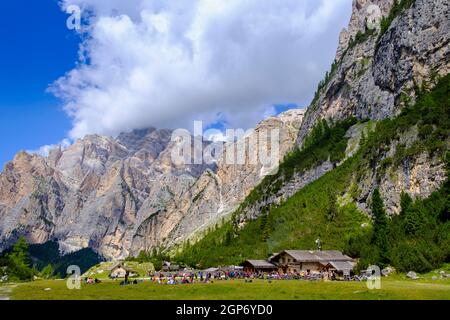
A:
[370,76]
[362,12]
[93,194]
[216,194]
[372,79]
[123,195]
[301,179]
[367,82]
[418,175]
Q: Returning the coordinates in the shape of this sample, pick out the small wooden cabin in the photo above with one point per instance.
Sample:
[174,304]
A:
[119,270]
[340,267]
[259,266]
[297,261]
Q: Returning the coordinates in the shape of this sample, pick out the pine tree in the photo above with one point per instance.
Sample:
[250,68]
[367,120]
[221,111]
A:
[156,259]
[414,220]
[380,226]
[268,228]
[48,272]
[228,238]
[143,257]
[20,261]
[405,203]
[263,225]
[332,211]
[20,252]
[412,216]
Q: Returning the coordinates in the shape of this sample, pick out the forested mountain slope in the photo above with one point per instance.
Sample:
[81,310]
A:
[418,237]
[370,175]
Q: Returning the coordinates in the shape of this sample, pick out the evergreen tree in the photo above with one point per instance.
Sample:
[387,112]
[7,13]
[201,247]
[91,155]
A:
[143,257]
[410,216]
[48,272]
[19,261]
[263,225]
[380,226]
[228,238]
[332,211]
[157,259]
[266,226]
[405,203]
[414,220]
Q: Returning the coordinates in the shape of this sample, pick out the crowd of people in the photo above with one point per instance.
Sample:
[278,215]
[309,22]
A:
[172,278]
[92,281]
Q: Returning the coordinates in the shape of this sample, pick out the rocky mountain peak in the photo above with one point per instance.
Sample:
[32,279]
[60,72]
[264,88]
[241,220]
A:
[369,77]
[362,11]
[123,195]
[215,194]
[93,193]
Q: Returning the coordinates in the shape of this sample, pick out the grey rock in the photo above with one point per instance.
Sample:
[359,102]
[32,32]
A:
[358,21]
[371,76]
[387,271]
[93,194]
[215,195]
[122,195]
[368,84]
[412,275]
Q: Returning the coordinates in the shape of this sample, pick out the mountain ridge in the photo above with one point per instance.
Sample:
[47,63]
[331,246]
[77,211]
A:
[124,195]
[378,75]
[100,192]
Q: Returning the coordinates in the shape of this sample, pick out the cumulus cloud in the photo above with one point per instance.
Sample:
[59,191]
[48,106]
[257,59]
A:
[167,63]
[44,151]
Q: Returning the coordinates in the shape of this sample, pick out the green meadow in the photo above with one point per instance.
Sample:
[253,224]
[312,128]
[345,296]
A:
[393,288]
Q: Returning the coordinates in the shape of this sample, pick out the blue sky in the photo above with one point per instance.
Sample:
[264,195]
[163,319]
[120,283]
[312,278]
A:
[37,49]
[141,73]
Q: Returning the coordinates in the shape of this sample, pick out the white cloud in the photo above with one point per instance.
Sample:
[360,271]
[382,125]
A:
[167,63]
[45,150]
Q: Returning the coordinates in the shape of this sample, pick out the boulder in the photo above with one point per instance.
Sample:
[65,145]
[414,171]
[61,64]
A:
[412,275]
[387,271]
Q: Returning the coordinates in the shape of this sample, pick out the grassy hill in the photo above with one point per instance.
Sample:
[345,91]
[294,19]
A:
[102,270]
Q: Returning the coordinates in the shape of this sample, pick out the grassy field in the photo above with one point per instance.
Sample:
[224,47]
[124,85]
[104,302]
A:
[392,289]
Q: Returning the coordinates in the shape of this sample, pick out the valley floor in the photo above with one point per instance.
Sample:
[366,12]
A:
[394,288]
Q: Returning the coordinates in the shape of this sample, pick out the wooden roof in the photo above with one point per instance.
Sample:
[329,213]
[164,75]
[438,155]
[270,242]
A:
[315,256]
[122,266]
[261,264]
[341,265]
